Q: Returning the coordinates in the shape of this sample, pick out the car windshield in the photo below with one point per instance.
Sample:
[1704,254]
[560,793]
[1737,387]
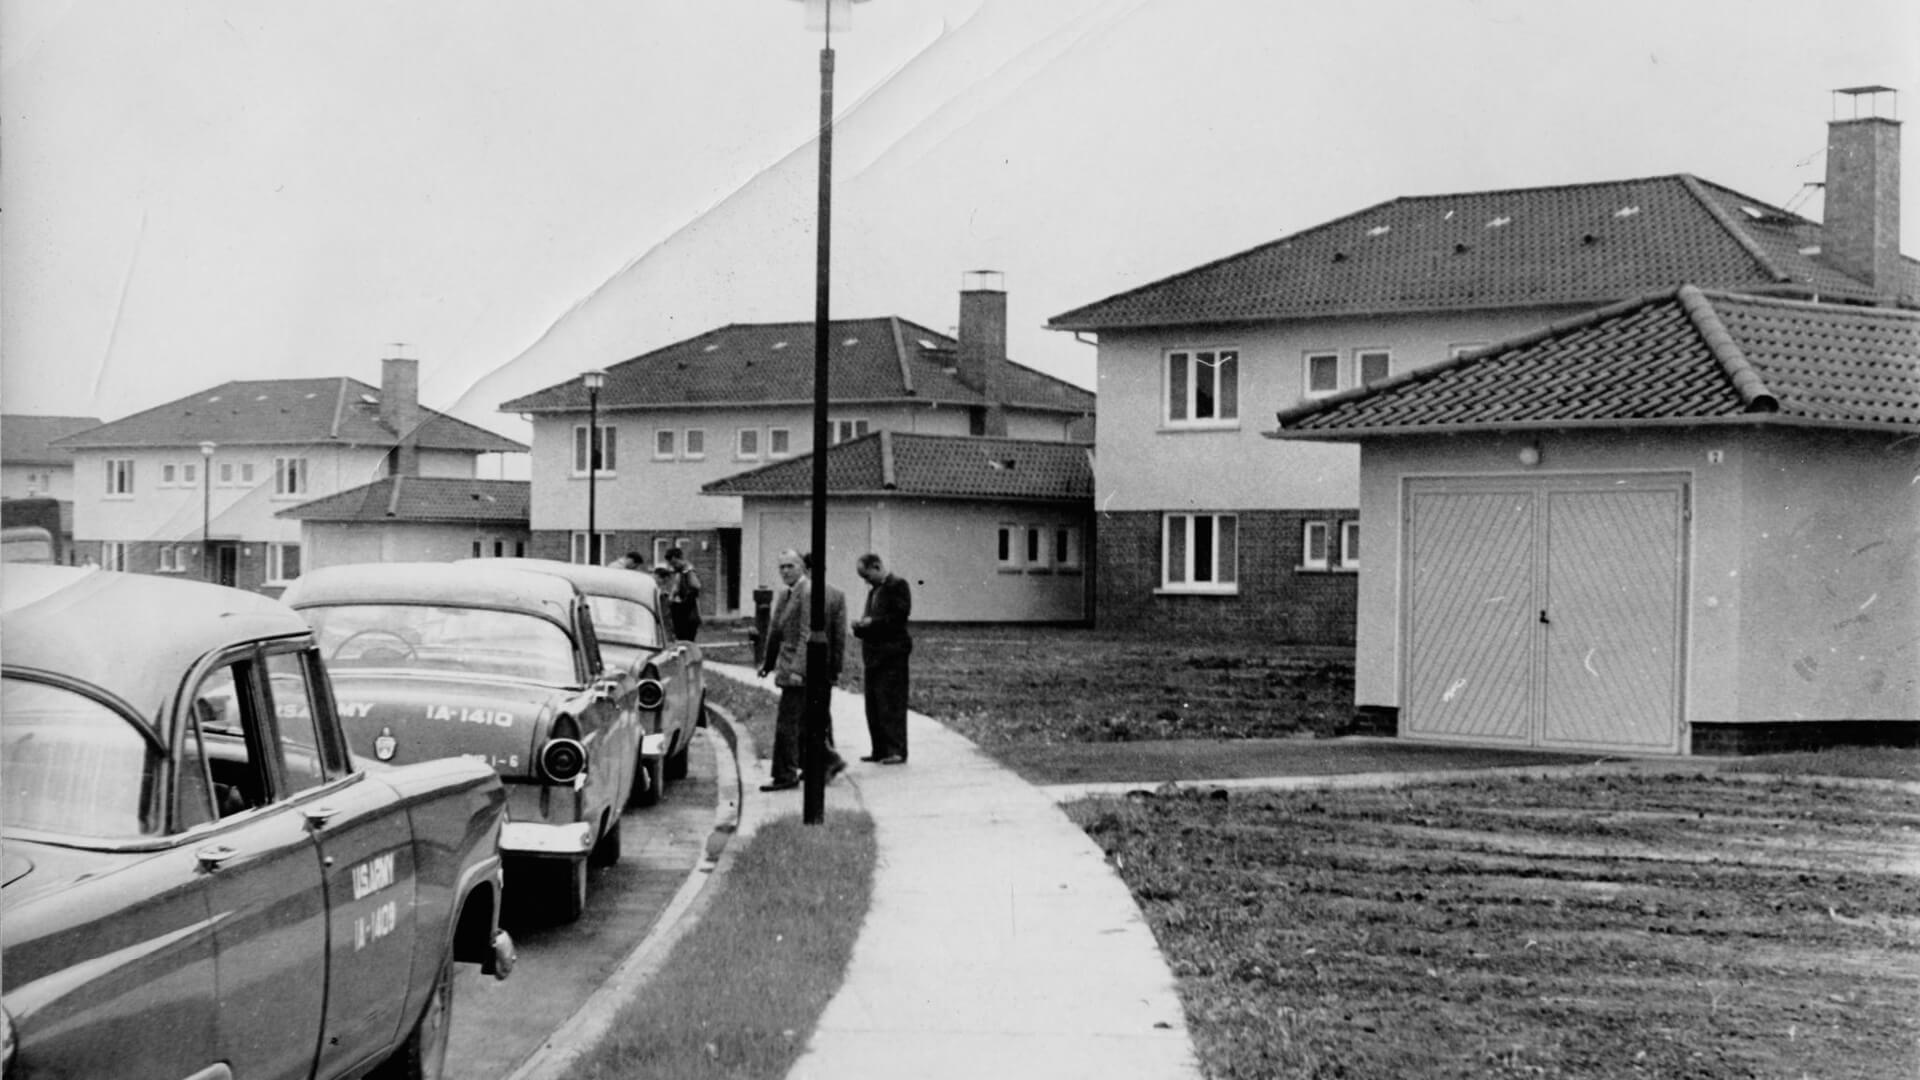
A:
[428,637]
[73,766]
[626,622]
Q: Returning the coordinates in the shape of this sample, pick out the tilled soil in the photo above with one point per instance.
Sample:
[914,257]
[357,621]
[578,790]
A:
[1611,926]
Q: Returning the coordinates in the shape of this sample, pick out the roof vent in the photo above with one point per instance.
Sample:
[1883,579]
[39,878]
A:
[713,347]
[1339,256]
[1589,239]
[851,341]
[1626,211]
[369,399]
[1462,248]
[1499,221]
[1380,230]
[777,346]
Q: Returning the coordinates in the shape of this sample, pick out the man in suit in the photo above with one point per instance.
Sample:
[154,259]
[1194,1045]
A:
[884,647]
[786,657]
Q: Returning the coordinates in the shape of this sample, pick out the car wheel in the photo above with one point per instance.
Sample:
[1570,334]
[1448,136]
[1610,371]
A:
[424,1055]
[654,776]
[676,764]
[607,851]
[569,890]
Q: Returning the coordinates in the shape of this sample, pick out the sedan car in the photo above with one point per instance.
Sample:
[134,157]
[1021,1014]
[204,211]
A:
[434,660]
[636,638]
[198,879]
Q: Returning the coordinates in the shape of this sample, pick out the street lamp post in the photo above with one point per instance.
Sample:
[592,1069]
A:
[825,16]
[206,510]
[594,380]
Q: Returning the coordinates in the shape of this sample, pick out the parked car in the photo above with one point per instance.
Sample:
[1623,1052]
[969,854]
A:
[198,879]
[435,660]
[636,638]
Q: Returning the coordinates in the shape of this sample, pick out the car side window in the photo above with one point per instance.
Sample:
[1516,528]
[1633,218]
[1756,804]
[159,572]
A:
[69,764]
[294,729]
[589,642]
[223,714]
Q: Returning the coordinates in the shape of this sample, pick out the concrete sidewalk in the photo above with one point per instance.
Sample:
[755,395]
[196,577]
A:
[998,942]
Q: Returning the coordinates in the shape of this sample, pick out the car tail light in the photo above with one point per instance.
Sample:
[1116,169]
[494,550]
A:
[563,759]
[650,692]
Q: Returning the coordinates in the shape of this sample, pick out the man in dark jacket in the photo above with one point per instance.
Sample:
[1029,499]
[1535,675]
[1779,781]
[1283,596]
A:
[683,606]
[884,647]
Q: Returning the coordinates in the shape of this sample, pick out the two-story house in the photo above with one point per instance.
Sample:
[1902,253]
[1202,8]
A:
[1205,524]
[672,421]
[194,486]
[31,469]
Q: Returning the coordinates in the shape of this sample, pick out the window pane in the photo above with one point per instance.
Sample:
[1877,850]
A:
[579,449]
[696,442]
[1323,373]
[1350,543]
[1373,367]
[1006,545]
[1228,545]
[70,765]
[1036,552]
[1205,373]
[1202,549]
[1315,543]
[166,474]
[777,440]
[663,444]
[294,726]
[609,442]
[420,637]
[1176,549]
[1229,382]
[1177,386]
[749,442]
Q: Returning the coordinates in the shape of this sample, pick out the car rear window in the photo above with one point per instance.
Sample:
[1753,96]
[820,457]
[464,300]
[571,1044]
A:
[429,637]
[72,766]
[625,621]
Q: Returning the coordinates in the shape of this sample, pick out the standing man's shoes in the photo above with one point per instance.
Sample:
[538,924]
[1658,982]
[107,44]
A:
[834,770]
[780,785]
[894,759]
[871,757]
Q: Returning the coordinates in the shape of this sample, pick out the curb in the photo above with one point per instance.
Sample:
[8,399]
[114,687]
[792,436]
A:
[735,820]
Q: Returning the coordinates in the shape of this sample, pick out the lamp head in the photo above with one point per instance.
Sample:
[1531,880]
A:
[832,16]
[206,449]
[594,380]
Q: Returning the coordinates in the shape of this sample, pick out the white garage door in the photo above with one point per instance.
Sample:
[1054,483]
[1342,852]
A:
[1545,611]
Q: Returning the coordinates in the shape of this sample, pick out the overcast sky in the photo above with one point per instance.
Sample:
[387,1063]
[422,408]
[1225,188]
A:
[196,191]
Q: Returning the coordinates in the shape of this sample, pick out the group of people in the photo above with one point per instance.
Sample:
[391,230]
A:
[679,590]
[885,646]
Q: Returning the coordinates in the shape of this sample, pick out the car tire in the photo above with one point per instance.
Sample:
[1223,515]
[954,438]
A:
[569,887]
[607,851]
[654,775]
[424,1055]
[676,763]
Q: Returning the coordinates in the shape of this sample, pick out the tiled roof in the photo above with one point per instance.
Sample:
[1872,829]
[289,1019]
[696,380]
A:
[282,412]
[931,466]
[1578,244]
[24,438]
[1684,355]
[888,359]
[422,499]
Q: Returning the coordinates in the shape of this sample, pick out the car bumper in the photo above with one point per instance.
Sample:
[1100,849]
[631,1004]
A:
[653,745]
[534,838]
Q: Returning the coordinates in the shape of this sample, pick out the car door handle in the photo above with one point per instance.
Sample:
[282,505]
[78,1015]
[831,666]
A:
[319,815]
[213,856]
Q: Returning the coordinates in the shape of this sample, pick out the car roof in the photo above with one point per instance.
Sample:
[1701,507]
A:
[635,585]
[131,635]
[466,584]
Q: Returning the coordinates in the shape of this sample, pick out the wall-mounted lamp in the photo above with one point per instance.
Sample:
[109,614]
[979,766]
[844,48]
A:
[1530,455]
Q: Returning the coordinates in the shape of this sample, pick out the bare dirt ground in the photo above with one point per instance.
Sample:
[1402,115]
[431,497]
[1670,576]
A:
[1616,926]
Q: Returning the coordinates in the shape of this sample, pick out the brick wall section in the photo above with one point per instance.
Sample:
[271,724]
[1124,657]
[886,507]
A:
[1277,602]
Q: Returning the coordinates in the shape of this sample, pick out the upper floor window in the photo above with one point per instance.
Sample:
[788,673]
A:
[604,462]
[664,441]
[1007,547]
[119,476]
[167,477]
[283,562]
[1201,553]
[1066,547]
[289,476]
[696,444]
[844,430]
[1374,364]
[747,444]
[1203,386]
[1322,373]
[779,442]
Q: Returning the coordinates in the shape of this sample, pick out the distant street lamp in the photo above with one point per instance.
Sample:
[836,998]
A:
[206,510]
[594,380]
[825,16]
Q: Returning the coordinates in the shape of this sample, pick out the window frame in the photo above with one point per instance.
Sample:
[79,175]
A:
[1350,544]
[669,439]
[1218,583]
[609,447]
[1307,362]
[845,429]
[1316,533]
[1007,548]
[1068,552]
[276,562]
[292,477]
[776,437]
[1360,358]
[688,438]
[1188,385]
[578,549]
[1038,553]
[114,555]
[120,478]
[743,452]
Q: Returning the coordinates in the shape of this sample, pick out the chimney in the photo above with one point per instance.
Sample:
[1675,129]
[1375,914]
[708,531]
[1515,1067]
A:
[400,410]
[983,346]
[1861,230]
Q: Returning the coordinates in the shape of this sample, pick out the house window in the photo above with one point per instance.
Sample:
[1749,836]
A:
[283,562]
[1374,365]
[663,443]
[1203,387]
[844,430]
[1066,547]
[578,547]
[120,476]
[167,476]
[226,474]
[289,476]
[170,560]
[779,442]
[113,555]
[1323,373]
[1038,549]
[246,472]
[190,474]
[477,553]
[747,444]
[606,462]
[1202,553]
[696,444]
[1350,545]
[1007,551]
[660,546]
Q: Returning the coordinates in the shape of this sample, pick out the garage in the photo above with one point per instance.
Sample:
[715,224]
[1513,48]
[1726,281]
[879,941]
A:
[1545,611]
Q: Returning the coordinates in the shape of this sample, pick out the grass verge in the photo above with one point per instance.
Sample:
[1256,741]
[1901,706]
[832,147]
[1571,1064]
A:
[1624,926]
[742,991]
